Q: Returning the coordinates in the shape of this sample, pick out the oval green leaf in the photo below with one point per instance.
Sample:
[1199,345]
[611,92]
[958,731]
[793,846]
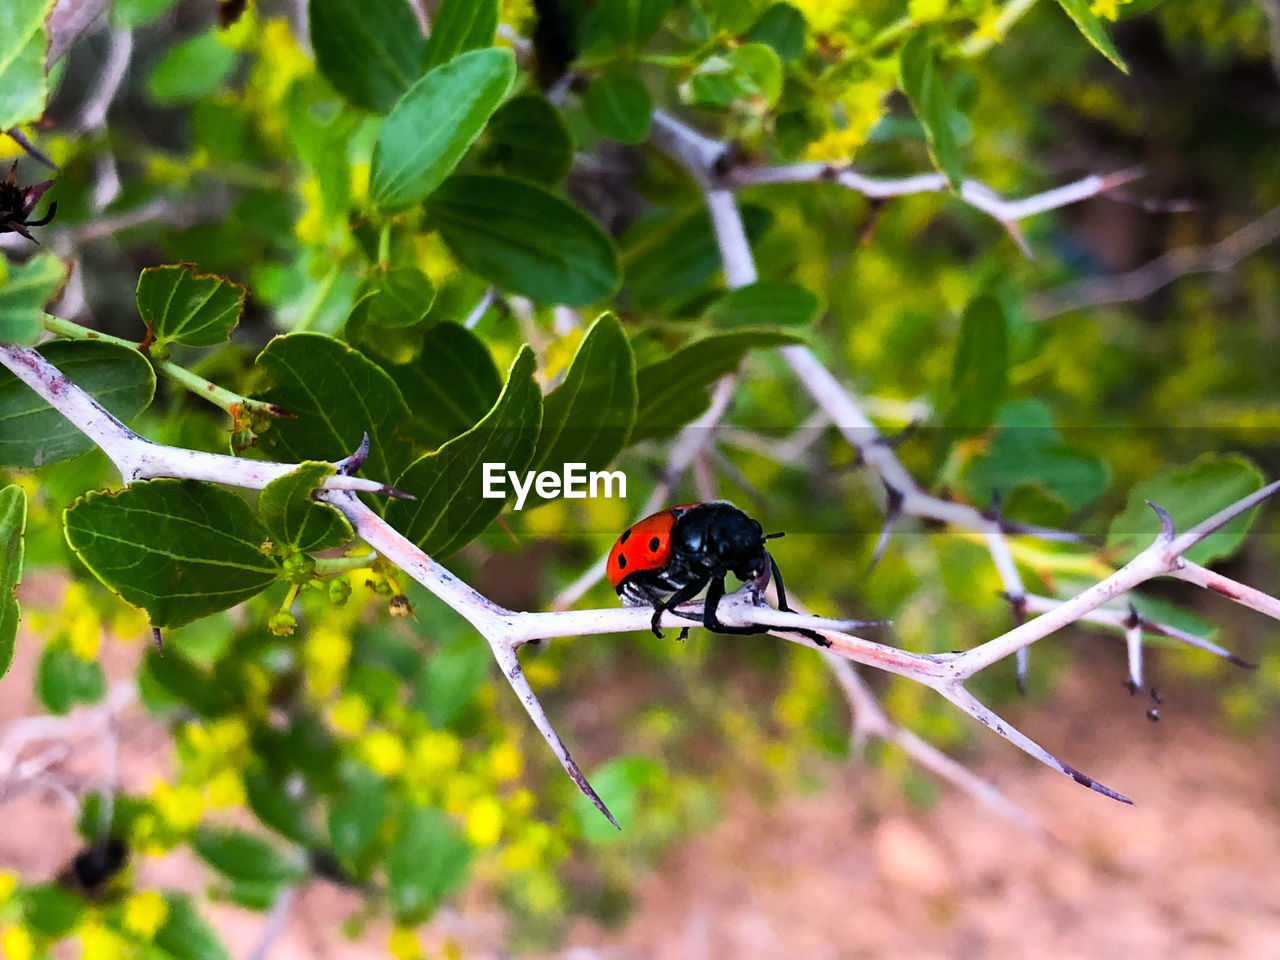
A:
[765,304]
[242,856]
[450,508]
[395,298]
[980,368]
[1087,22]
[673,390]
[588,418]
[23,295]
[528,138]
[1190,494]
[428,860]
[449,386]
[293,519]
[433,124]
[336,395]
[33,434]
[179,305]
[525,238]
[619,106]
[369,50]
[921,80]
[192,69]
[458,26]
[179,549]
[23,44]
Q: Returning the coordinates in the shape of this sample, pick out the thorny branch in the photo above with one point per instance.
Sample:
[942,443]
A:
[507,630]
[708,161]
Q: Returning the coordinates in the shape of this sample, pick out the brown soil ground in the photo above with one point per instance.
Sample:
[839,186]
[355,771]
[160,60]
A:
[849,871]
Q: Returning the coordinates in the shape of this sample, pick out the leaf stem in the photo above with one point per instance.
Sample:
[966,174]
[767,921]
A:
[232,403]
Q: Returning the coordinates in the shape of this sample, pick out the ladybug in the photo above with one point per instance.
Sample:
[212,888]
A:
[670,556]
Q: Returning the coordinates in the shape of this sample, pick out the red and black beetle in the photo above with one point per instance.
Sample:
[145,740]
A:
[669,557]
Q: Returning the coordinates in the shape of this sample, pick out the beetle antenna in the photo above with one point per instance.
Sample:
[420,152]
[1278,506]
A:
[774,536]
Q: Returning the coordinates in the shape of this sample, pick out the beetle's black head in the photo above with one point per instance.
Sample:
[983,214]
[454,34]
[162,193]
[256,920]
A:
[720,538]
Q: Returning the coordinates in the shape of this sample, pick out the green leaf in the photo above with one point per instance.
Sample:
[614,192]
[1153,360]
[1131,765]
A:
[185,935]
[631,23]
[1026,449]
[782,27]
[242,856]
[459,26]
[673,390]
[752,70]
[271,801]
[191,70]
[336,396]
[33,434]
[450,677]
[764,304]
[180,549]
[528,138]
[369,50]
[354,819]
[980,370]
[431,126]
[621,780]
[24,293]
[128,14]
[293,519]
[23,43]
[185,682]
[619,106]
[179,305]
[1081,12]
[674,254]
[921,78]
[450,385]
[1190,494]
[50,910]
[588,418]
[450,509]
[525,238]
[428,860]
[63,680]
[395,298]
[13,524]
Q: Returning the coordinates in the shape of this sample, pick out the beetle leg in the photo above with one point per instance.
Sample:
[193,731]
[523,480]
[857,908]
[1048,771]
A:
[687,592]
[813,635]
[715,593]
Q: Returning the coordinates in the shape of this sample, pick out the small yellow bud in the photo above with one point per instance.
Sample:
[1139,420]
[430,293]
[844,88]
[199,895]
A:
[15,944]
[403,943]
[145,912]
[384,752]
[484,822]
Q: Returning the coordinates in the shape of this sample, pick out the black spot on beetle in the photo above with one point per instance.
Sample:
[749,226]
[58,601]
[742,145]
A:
[626,534]
[654,543]
[622,561]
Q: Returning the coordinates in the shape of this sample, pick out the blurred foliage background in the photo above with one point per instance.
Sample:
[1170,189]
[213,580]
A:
[382,752]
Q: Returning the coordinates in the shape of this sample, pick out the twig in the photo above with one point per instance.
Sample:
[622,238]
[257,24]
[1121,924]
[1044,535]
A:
[115,67]
[137,458]
[276,923]
[868,720]
[1145,280]
[506,630]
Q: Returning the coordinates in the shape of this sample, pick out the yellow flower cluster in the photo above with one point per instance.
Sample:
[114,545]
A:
[76,622]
